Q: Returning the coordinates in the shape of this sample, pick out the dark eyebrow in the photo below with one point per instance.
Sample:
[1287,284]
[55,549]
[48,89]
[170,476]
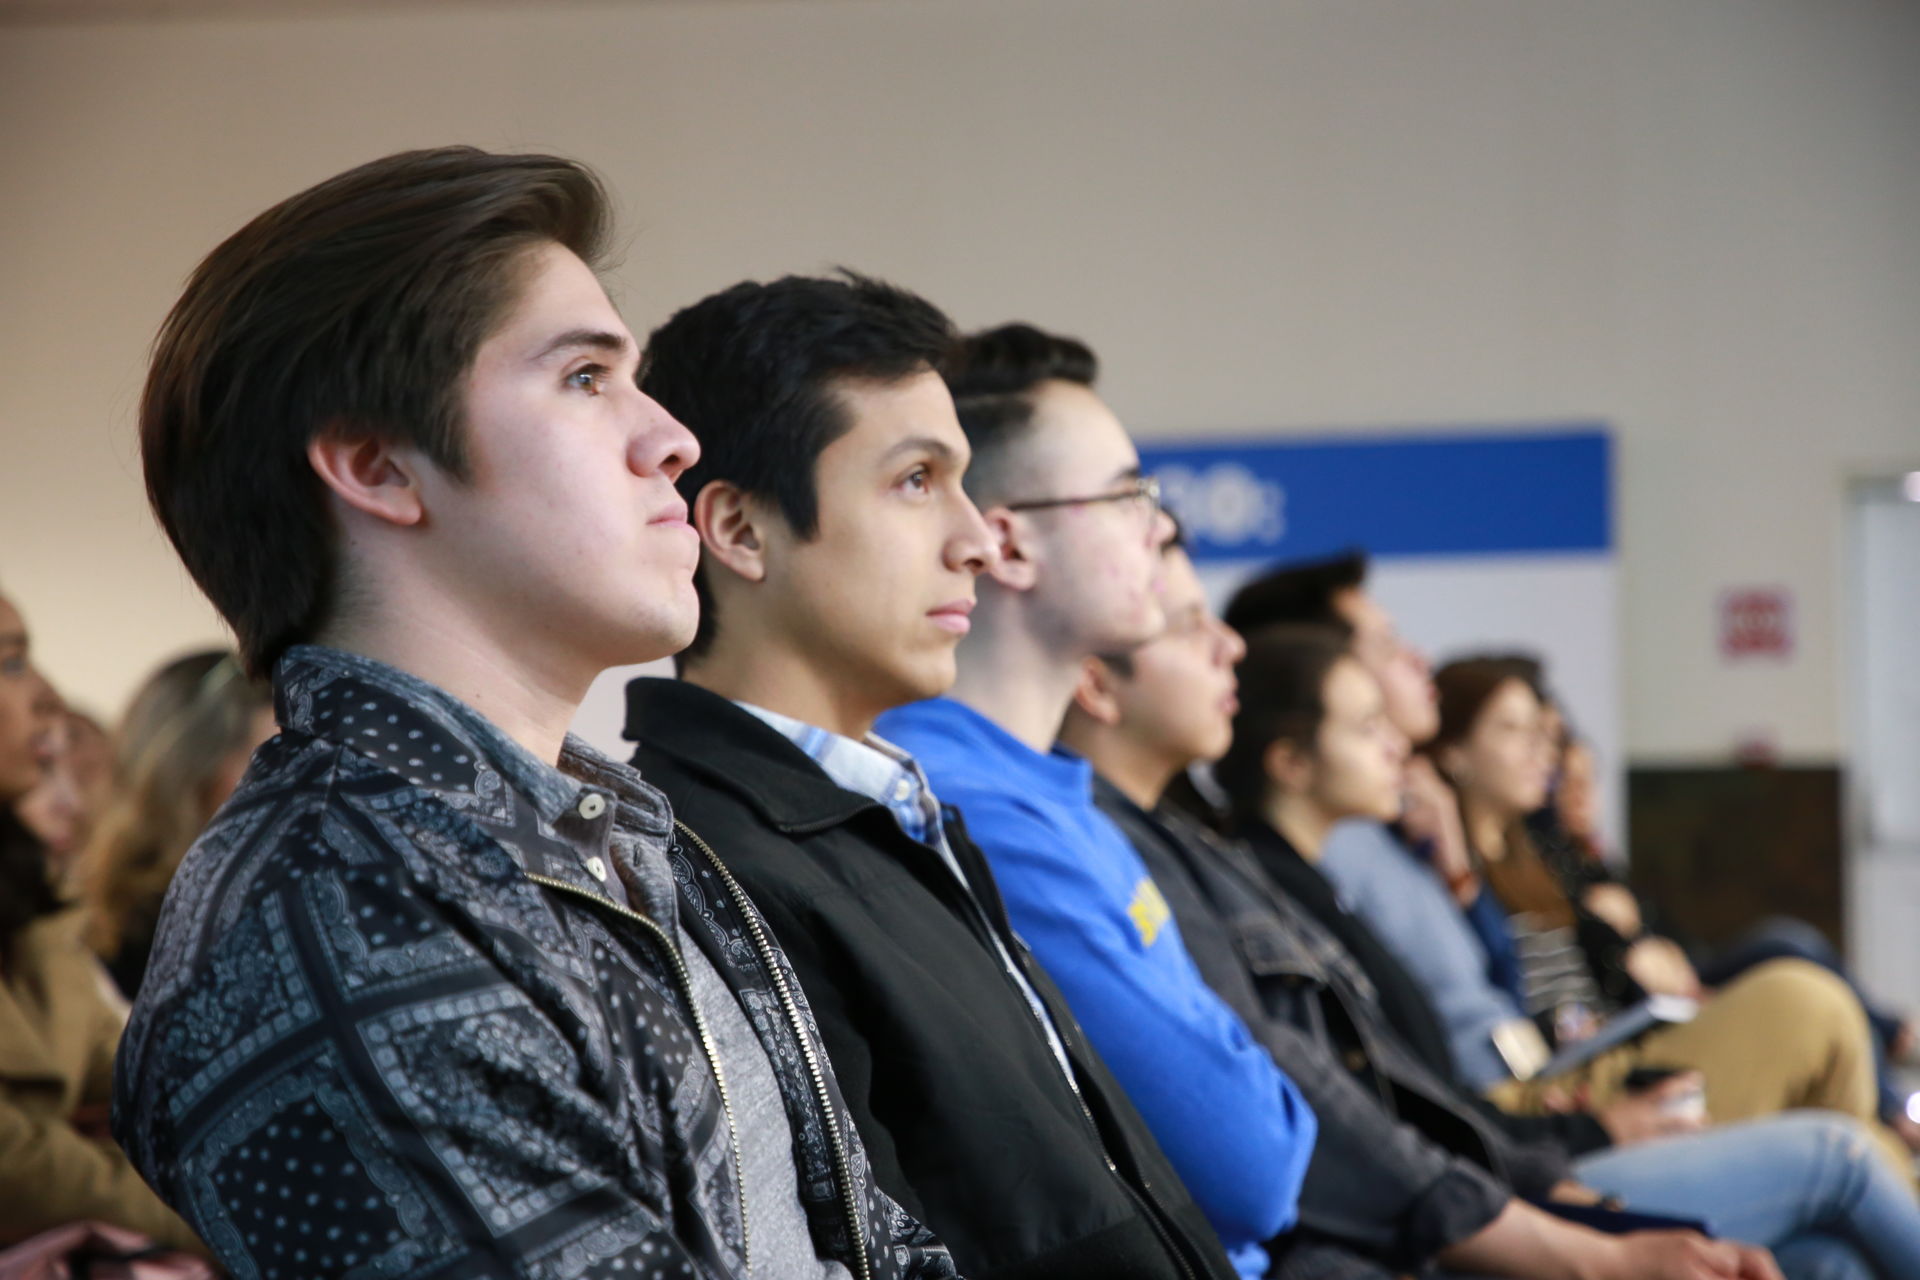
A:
[1127,473]
[923,444]
[593,339]
[13,639]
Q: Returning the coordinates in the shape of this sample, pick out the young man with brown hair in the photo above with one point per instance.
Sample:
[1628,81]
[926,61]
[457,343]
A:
[436,993]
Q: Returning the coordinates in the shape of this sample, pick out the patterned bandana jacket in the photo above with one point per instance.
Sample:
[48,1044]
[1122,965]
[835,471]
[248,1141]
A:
[394,1026]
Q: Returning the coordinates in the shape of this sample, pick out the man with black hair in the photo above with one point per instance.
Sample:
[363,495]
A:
[1078,531]
[839,555]
[1314,592]
[439,992]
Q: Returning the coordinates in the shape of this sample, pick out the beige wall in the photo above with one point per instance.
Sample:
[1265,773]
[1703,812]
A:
[1697,219]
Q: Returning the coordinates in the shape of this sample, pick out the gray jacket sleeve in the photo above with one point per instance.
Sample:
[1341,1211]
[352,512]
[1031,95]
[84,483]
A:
[1408,908]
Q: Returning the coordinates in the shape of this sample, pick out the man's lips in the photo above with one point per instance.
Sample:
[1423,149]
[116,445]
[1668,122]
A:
[673,517]
[955,616]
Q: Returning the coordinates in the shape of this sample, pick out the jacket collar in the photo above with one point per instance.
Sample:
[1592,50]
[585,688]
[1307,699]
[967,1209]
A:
[441,745]
[739,753]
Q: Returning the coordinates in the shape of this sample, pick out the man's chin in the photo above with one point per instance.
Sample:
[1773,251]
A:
[1127,639]
[660,634]
[929,678]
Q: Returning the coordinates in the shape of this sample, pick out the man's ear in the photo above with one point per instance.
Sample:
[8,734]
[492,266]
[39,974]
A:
[1288,767]
[370,475]
[728,522]
[1098,693]
[1015,568]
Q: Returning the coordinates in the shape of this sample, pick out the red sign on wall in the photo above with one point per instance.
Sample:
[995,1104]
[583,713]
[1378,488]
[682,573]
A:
[1756,622]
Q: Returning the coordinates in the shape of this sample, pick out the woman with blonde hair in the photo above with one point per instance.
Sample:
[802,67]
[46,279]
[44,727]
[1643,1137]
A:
[58,1029]
[179,751]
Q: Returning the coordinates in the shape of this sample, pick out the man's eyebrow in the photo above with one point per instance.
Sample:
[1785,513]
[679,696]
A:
[592,339]
[923,444]
[1126,473]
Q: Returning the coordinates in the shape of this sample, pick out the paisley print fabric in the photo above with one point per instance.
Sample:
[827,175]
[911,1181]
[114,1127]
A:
[370,1045]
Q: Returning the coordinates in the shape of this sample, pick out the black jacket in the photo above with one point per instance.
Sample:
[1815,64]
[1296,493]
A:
[967,1117]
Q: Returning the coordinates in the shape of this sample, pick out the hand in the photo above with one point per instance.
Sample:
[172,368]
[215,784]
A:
[1638,1117]
[1431,813]
[1615,904]
[1662,968]
[1685,1255]
[1567,1191]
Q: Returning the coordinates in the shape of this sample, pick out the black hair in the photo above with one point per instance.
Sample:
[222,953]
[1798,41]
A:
[1283,683]
[993,375]
[1302,591]
[754,372]
[26,890]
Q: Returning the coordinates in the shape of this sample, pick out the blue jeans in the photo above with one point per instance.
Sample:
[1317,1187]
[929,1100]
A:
[1807,1184]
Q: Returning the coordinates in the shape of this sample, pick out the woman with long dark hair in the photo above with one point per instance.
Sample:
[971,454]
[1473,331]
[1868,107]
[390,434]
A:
[1313,747]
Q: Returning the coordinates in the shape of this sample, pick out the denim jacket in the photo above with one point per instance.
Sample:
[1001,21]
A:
[396,1025]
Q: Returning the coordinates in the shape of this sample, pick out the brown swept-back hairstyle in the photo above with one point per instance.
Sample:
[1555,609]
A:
[1283,698]
[356,306]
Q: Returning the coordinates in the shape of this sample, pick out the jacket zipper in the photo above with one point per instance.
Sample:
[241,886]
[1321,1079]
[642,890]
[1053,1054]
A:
[685,983]
[856,1218]
[1150,1206]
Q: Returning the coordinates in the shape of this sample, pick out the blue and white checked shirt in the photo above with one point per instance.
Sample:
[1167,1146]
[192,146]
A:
[882,772]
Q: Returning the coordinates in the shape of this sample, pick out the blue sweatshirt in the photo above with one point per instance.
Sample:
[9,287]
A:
[1234,1126]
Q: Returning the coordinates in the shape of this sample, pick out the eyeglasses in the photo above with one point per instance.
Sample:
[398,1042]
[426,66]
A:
[1144,490]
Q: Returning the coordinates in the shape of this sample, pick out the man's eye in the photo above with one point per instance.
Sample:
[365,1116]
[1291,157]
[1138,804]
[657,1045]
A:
[918,479]
[588,379]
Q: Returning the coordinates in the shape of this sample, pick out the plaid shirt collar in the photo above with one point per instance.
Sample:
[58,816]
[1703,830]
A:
[872,767]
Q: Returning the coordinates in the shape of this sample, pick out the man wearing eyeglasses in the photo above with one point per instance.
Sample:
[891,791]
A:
[1077,530]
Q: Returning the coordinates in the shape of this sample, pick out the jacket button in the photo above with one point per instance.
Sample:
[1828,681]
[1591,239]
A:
[592,805]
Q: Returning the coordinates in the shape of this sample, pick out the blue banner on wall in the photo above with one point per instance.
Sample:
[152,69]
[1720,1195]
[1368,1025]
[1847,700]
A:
[1492,492]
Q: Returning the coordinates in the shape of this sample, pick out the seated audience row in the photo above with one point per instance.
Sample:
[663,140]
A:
[58,1025]
[885,956]
[1425,888]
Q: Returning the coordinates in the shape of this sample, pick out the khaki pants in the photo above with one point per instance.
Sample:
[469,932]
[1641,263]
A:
[1784,1034]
